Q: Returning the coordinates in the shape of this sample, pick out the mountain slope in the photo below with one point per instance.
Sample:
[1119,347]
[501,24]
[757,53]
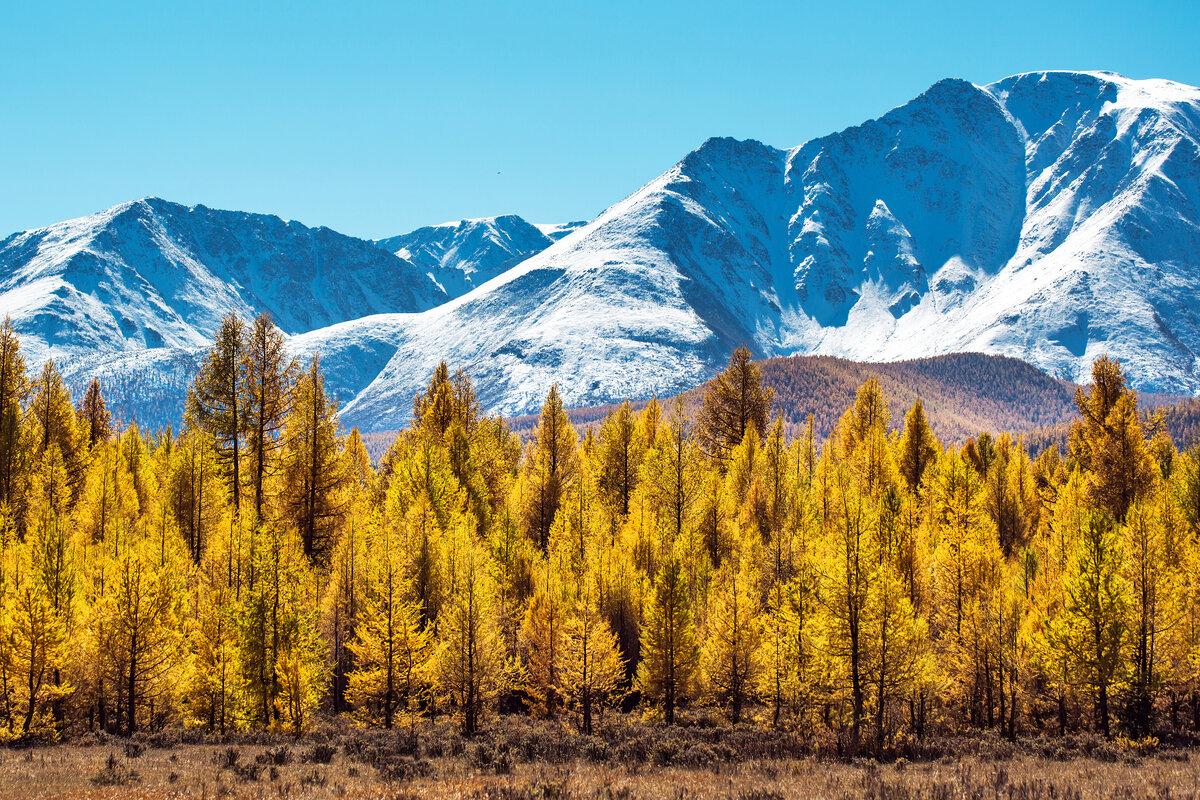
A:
[132,295]
[1050,217]
[462,255]
[154,274]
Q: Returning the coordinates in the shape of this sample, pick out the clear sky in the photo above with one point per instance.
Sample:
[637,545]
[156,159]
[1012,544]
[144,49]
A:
[375,118]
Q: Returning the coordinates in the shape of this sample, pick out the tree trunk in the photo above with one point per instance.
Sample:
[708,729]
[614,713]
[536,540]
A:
[131,721]
[1103,710]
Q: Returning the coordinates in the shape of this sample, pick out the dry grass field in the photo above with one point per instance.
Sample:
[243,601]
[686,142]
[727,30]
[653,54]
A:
[628,760]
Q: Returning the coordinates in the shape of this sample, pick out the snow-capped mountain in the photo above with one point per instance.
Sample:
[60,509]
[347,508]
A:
[153,274]
[1049,216]
[133,294]
[462,255]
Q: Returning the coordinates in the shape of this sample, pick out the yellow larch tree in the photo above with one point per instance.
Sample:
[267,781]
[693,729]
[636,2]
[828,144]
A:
[469,667]
[390,647]
[670,655]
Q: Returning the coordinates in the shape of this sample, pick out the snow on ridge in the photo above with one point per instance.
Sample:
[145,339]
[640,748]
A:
[463,254]
[1049,216]
[557,230]
[150,276]
[844,246]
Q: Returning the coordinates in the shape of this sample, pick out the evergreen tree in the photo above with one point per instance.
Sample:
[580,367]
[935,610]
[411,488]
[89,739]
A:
[512,556]
[917,448]
[302,673]
[347,593]
[542,636]
[863,441]
[97,421]
[620,458]
[142,616]
[54,571]
[269,375]
[789,678]
[216,400]
[57,436]
[847,567]
[957,499]
[551,468]
[279,655]
[776,495]
[1107,443]
[731,657]
[434,410]
[446,400]
[212,634]
[469,665]
[1091,632]
[592,667]
[895,646]
[884,587]
[34,648]
[314,473]
[1149,546]
[193,493]
[673,471]
[14,388]
[389,647]
[980,453]
[734,402]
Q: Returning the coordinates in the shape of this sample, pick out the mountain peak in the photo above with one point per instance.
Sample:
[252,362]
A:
[1066,87]
[151,273]
[1012,218]
[463,254]
[1050,216]
[717,149]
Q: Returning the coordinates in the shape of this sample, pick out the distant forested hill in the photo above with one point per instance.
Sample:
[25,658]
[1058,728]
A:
[1180,417]
[963,394]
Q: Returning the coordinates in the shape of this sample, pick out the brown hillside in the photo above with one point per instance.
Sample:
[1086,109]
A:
[963,394]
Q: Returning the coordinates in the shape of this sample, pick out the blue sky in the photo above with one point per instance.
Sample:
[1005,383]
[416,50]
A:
[375,118]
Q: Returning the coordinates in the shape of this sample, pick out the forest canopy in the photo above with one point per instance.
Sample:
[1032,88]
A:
[254,570]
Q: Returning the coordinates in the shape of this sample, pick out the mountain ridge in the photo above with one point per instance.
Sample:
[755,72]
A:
[463,254]
[943,226]
[151,273]
[1048,216]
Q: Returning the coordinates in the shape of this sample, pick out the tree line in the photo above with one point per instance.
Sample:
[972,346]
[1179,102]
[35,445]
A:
[255,571]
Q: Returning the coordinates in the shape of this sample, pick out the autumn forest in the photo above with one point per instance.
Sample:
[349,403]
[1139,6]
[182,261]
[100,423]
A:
[254,570]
